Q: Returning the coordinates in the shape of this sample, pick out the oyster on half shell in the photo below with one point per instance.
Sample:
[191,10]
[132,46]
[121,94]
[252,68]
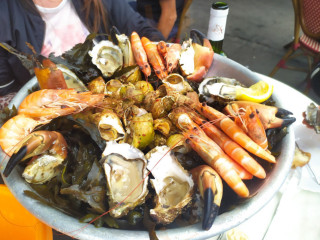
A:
[107,57]
[126,175]
[172,183]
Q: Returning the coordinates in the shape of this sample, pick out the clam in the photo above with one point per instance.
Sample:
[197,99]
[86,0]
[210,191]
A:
[107,57]
[126,175]
[172,183]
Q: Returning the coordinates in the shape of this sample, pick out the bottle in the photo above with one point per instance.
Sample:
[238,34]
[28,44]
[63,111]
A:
[217,25]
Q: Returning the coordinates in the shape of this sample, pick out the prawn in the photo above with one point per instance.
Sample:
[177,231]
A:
[47,104]
[140,54]
[170,53]
[41,107]
[249,122]
[231,148]
[154,58]
[270,116]
[234,131]
[14,130]
[210,152]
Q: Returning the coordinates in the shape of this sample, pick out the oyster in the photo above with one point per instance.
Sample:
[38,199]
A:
[126,175]
[107,57]
[173,184]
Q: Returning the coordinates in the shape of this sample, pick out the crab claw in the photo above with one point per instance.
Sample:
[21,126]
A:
[270,116]
[203,56]
[52,148]
[211,189]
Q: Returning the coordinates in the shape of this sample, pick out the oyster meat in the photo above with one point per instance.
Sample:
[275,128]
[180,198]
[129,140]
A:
[107,57]
[172,183]
[126,175]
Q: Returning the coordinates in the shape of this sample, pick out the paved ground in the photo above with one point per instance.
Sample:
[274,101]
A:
[256,32]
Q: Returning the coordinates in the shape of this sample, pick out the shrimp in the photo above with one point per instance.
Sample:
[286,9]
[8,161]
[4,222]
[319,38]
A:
[140,54]
[47,104]
[154,58]
[41,107]
[270,116]
[171,54]
[234,131]
[250,123]
[14,130]
[210,152]
[231,148]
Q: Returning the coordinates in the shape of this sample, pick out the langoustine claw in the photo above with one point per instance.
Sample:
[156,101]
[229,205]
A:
[48,149]
[211,189]
[270,116]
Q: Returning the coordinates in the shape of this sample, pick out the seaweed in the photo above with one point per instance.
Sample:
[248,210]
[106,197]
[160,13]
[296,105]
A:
[7,113]
[78,60]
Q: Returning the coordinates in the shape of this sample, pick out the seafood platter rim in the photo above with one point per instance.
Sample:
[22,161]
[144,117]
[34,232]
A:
[267,188]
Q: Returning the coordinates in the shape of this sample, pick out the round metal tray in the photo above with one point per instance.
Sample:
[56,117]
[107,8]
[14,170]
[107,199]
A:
[260,192]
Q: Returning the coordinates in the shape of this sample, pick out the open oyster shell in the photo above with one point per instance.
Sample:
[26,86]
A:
[126,175]
[173,184]
[107,57]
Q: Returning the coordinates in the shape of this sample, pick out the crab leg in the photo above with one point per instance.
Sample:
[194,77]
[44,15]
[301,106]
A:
[50,143]
[211,189]
[203,56]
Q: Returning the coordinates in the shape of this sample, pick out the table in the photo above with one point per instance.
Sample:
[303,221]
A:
[294,212]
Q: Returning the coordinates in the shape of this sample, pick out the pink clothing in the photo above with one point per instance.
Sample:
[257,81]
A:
[64,29]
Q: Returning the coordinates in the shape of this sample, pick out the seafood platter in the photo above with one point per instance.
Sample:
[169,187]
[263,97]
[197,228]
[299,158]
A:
[136,139]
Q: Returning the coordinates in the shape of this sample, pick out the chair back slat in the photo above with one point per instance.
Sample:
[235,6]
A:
[310,17]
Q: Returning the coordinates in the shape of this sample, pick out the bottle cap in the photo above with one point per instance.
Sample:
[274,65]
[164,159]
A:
[220,6]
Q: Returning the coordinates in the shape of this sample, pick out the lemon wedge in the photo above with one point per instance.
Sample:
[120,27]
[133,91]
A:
[258,92]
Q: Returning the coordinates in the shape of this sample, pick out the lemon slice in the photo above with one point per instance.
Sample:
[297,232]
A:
[258,92]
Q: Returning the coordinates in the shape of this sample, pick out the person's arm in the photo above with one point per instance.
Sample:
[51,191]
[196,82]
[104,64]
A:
[121,15]
[168,16]
[6,75]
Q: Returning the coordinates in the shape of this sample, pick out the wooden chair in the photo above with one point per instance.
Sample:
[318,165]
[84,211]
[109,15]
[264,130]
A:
[187,4]
[307,18]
